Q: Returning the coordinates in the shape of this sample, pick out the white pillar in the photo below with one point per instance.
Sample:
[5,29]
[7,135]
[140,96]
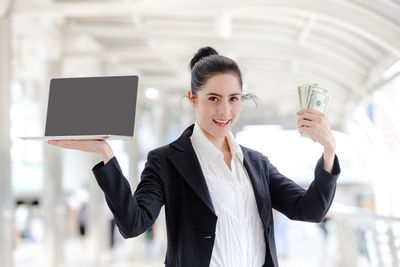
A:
[347,243]
[53,207]
[6,196]
[53,201]
[98,222]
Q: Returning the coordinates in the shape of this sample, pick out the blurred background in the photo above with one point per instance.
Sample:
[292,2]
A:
[52,212]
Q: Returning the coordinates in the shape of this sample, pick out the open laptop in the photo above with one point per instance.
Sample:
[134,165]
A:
[95,108]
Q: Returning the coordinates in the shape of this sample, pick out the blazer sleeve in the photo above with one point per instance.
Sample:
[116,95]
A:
[133,214]
[297,203]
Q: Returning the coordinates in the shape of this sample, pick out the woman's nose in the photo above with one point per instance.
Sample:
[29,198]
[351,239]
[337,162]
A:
[223,108]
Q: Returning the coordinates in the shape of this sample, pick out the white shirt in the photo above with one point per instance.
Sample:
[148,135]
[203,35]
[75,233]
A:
[239,238]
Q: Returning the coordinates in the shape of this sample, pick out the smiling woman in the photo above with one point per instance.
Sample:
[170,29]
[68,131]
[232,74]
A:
[218,195]
[218,106]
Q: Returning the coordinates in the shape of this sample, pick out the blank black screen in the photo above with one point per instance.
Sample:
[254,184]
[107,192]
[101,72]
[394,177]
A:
[92,106]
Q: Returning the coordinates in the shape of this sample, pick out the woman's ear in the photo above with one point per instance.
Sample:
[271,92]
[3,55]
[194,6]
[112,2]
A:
[192,99]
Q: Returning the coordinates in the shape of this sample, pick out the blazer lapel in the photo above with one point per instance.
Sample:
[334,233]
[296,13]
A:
[188,166]
[255,175]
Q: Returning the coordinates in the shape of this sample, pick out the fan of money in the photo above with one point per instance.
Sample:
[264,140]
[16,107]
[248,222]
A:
[314,97]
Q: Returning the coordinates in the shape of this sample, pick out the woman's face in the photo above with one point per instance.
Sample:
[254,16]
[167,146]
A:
[218,105]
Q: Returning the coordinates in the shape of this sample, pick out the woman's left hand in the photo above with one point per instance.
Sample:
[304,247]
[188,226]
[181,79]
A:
[317,126]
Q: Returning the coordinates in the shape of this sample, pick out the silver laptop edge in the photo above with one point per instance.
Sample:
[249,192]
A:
[77,137]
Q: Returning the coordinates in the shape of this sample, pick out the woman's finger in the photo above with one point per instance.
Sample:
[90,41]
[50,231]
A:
[306,130]
[309,110]
[305,123]
[308,116]
[316,125]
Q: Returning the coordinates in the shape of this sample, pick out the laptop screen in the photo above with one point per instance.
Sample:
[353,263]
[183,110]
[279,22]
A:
[92,106]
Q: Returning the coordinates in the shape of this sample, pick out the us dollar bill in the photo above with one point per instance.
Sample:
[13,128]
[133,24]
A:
[313,96]
[311,93]
[319,101]
[304,92]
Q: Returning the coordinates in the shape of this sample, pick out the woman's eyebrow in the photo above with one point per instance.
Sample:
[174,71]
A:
[221,95]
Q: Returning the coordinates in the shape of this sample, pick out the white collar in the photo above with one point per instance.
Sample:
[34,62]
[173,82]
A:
[207,151]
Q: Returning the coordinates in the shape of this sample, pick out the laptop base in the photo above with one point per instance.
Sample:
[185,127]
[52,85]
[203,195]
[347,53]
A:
[77,137]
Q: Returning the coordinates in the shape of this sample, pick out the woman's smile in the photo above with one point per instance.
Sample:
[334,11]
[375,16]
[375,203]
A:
[221,123]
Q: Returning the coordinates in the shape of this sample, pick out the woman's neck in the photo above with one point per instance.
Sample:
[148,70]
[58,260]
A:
[220,143]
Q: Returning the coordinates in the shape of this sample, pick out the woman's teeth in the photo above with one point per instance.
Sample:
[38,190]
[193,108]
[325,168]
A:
[221,122]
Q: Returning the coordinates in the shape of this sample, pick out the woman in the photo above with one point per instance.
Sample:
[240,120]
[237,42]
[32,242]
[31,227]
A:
[218,195]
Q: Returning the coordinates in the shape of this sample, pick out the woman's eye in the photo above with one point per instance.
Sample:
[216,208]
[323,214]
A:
[234,98]
[213,98]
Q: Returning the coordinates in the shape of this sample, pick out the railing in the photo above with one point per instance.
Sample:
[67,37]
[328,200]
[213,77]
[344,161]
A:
[365,238]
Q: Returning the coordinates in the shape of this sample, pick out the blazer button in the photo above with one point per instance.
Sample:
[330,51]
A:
[269,229]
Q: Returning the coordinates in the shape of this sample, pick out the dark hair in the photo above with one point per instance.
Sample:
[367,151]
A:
[207,63]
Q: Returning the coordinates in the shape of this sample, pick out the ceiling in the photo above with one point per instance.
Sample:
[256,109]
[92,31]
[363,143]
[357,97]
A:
[345,46]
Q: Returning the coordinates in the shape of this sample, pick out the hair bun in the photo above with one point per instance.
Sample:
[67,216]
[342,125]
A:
[202,53]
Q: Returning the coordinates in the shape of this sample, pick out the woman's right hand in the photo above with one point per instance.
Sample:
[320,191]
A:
[100,147]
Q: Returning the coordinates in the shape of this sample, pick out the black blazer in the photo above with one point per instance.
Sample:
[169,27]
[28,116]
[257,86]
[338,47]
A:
[173,177]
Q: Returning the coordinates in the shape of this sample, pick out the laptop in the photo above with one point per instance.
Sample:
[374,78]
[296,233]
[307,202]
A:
[90,108]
